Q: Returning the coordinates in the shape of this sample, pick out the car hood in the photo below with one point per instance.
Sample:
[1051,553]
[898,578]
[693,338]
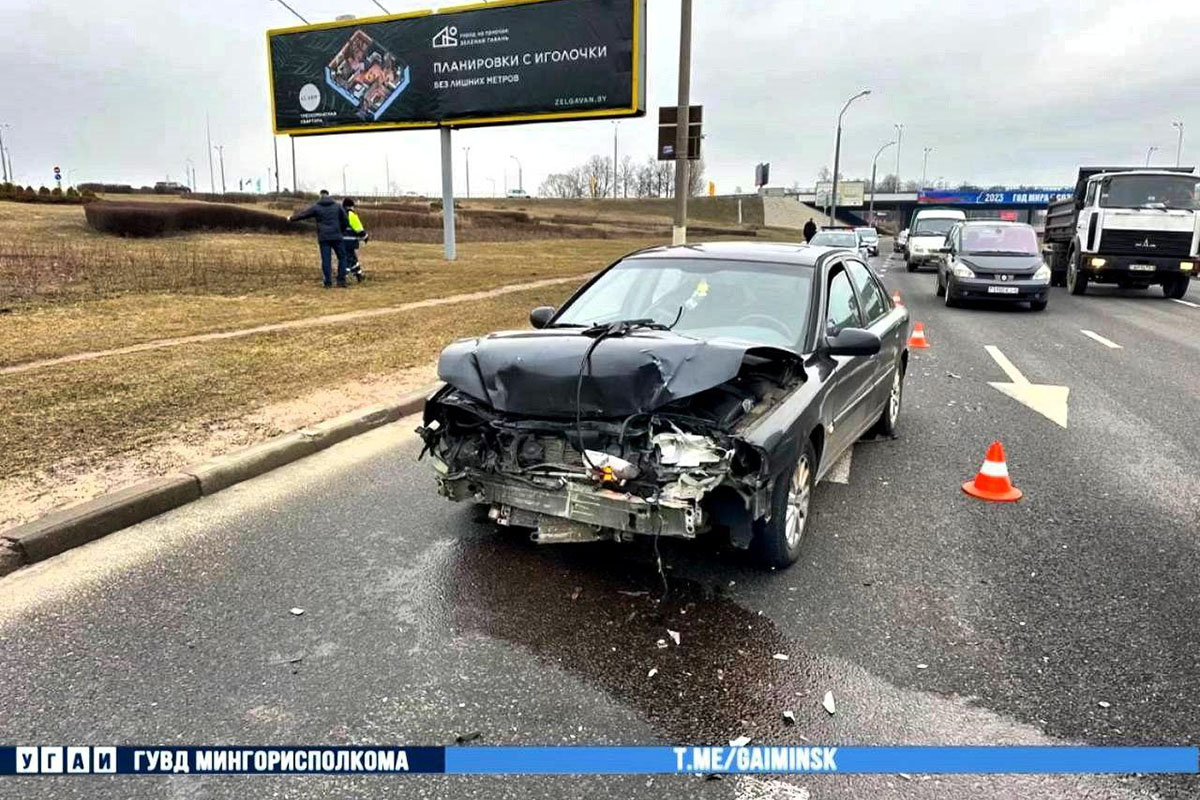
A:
[1018,265]
[535,373]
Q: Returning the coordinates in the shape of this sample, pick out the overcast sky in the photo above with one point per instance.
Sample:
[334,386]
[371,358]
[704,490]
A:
[1004,92]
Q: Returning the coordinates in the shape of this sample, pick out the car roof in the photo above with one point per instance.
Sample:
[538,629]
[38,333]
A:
[991,222]
[766,252]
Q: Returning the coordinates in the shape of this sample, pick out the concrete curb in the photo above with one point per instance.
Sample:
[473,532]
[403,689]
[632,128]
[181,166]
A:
[78,524]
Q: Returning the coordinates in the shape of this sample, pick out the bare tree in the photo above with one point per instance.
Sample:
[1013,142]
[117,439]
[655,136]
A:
[628,174]
[564,185]
[597,176]
[696,183]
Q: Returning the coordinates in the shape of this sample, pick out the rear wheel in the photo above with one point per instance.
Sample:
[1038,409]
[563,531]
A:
[1176,289]
[777,541]
[1077,282]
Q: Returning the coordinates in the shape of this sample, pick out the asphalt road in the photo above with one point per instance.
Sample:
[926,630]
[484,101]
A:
[934,618]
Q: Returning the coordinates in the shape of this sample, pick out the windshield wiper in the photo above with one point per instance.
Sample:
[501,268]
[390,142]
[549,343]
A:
[998,253]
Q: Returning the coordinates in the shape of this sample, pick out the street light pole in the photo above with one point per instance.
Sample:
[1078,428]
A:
[220,148]
[3,161]
[212,181]
[924,168]
[345,191]
[1178,147]
[275,144]
[837,155]
[682,119]
[874,164]
[387,175]
[899,140]
[1149,152]
[520,177]
[467,151]
[616,127]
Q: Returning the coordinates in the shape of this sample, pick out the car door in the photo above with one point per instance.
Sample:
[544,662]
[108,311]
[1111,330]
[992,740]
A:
[878,317]
[852,376]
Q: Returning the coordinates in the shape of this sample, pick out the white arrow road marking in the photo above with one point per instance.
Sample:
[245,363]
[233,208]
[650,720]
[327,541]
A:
[1047,400]
[840,471]
[1184,303]
[1109,343]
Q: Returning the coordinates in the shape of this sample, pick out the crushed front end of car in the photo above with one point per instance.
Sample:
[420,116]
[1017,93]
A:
[584,440]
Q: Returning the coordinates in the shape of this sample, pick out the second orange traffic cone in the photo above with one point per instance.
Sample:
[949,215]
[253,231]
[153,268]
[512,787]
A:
[992,482]
[896,301]
[917,341]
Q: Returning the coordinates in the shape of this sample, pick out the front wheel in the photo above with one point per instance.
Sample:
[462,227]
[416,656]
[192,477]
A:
[940,291]
[777,540]
[1037,305]
[1077,282]
[951,300]
[1176,289]
[909,264]
[889,420]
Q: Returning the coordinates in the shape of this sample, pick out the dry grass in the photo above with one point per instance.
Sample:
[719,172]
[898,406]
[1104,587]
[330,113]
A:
[100,409]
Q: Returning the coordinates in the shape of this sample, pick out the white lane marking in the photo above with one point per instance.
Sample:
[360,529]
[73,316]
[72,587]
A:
[840,471]
[1187,303]
[1048,400]
[755,788]
[1109,343]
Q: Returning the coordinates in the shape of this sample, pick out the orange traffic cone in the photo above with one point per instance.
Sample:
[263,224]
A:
[917,341]
[992,482]
[896,301]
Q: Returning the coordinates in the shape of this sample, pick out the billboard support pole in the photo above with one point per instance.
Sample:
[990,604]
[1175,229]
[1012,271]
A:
[295,183]
[275,144]
[448,195]
[682,120]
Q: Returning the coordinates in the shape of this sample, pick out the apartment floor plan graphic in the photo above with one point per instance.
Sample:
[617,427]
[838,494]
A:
[367,75]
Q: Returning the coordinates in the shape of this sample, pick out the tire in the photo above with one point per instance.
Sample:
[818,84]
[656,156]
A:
[1176,289]
[1037,305]
[889,420]
[951,300]
[772,544]
[909,265]
[1077,282]
[940,291]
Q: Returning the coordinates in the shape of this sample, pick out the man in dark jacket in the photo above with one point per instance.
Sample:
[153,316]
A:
[331,221]
[810,230]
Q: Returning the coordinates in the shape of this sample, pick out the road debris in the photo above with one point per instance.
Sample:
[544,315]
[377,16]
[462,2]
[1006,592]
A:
[1104,704]
[297,612]
[575,594]
[463,738]
[662,644]
[674,636]
[740,741]
[780,656]
[628,593]
[922,666]
[789,718]
[653,671]
[828,703]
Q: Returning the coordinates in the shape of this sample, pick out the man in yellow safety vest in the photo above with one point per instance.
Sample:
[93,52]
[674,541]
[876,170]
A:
[354,235]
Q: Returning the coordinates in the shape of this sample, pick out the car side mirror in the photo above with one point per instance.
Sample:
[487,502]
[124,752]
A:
[853,342]
[540,317]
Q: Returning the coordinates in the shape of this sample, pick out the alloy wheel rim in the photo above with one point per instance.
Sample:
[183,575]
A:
[894,400]
[797,504]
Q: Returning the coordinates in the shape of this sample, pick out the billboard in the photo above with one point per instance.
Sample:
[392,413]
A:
[499,63]
[995,197]
[850,193]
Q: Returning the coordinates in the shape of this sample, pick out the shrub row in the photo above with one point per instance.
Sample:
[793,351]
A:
[125,218]
[27,194]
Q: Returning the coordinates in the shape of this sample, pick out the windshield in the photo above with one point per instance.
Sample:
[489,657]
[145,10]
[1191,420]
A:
[750,300]
[867,233]
[1153,191]
[934,226]
[1011,240]
[835,239]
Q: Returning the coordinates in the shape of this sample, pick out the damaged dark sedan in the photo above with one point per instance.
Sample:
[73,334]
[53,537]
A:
[682,390]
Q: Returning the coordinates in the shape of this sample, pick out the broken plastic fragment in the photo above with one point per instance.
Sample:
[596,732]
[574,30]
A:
[780,656]
[297,612]
[828,703]
[688,449]
[674,636]
[609,467]
[1104,704]
[662,644]
[652,673]
[463,738]
[922,666]
[789,718]
[740,741]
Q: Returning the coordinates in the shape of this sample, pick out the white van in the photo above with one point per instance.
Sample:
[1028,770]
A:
[927,235]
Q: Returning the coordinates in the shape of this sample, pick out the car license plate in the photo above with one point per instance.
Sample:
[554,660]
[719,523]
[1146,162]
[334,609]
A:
[1003,290]
[1142,267]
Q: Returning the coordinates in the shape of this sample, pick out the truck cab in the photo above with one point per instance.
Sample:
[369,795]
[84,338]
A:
[1130,227]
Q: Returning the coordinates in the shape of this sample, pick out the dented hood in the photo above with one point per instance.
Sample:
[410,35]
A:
[534,373]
